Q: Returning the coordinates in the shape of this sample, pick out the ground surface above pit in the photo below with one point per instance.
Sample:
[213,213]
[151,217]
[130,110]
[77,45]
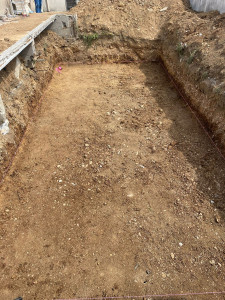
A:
[114,191]
[12,32]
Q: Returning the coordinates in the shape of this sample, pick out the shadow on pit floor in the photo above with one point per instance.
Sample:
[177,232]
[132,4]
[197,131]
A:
[190,138]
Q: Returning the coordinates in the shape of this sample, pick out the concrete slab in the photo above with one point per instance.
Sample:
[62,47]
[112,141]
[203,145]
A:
[13,51]
[12,32]
[63,25]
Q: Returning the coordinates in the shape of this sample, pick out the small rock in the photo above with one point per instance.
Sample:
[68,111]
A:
[164,9]
[163,275]
[130,195]
[153,149]
[172,255]
[145,281]
[212,262]
[180,244]
[217,219]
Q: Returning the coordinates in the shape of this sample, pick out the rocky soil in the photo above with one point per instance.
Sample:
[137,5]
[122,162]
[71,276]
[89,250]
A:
[116,189]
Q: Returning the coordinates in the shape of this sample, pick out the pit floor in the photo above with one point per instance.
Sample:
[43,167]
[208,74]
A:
[115,190]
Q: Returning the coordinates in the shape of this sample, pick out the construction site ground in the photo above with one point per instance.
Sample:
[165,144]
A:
[116,188]
[18,27]
[112,192]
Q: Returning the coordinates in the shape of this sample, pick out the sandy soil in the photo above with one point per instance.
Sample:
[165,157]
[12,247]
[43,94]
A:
[115,190]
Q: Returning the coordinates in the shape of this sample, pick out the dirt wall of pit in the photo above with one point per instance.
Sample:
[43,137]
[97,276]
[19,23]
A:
[195,60]
[21,95]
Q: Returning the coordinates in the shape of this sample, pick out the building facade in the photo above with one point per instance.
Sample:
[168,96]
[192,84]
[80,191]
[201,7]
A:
[47,5]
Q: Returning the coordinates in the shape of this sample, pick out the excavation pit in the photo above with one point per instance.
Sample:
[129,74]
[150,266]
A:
[116,189]
[112,173]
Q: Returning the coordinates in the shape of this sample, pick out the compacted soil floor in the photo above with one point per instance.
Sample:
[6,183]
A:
[115,190]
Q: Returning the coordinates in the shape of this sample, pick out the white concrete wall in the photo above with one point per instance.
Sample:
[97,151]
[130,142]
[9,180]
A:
[3,5]
[54,5]
[207,5]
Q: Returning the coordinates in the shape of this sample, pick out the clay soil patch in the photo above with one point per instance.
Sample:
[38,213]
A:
[116,190]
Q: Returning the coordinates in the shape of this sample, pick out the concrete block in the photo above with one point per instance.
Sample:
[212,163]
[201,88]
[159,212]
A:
[2,112]
[28,54]
[64,25]
[4,123]
[17,68]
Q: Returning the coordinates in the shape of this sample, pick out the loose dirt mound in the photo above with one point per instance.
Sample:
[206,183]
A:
[134,18]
